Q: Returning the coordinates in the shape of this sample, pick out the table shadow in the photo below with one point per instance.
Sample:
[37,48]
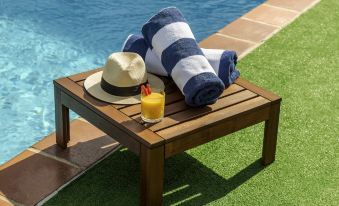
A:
[187,181]
[190,182]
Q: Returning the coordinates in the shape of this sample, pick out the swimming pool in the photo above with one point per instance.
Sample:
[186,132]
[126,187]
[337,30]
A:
[41,40]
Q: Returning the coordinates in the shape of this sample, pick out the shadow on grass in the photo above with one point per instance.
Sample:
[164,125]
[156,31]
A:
[187,181]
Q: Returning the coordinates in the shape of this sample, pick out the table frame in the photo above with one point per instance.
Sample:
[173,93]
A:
[153,154]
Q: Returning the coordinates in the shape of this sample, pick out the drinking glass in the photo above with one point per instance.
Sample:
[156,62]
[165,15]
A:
[153,106]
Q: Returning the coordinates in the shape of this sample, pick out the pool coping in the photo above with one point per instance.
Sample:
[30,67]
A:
[243,35]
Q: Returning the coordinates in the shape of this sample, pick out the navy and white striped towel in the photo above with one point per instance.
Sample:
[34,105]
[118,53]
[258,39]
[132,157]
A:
[169,36]
[223,62]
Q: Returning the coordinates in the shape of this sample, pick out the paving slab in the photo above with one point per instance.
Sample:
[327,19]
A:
[30,177]
[271,15]
[217,41]
[297,5]
[249,30]
[87,144]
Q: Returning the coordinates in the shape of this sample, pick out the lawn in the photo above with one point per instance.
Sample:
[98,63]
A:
[301,64]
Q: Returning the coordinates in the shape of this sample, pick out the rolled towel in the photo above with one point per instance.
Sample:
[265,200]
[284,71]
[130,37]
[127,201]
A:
[223,62]
[169,36]
[137,44]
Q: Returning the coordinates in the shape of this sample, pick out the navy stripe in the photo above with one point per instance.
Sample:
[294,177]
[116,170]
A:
[234,73]
[203,89]
[136,44]
[161,19]
[180,49]
[227,63]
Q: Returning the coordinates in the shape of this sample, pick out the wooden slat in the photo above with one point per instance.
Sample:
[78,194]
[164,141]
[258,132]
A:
[171,107]
[119,106]
[181,105]
[260,91]
[172,94]
[213,118]
[83,75]
[216,131]
[118,119]
[81,83]
[135,109]
[197,112]
[173,97]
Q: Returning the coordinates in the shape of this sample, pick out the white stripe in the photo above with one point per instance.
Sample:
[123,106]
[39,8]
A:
[153,64]
[188,67]
[214,57]
[169,34]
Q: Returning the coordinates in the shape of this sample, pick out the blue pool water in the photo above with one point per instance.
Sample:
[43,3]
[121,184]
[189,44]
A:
[41,40]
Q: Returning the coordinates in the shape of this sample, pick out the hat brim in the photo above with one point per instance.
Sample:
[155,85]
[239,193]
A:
[92,85]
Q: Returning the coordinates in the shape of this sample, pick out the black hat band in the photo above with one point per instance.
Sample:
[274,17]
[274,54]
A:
[121,91]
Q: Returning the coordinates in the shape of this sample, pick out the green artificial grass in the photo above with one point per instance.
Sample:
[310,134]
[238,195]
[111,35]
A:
[301,64]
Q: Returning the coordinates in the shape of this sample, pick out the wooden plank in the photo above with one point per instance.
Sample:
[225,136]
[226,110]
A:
[172,95]
[192,113]
[115,117]
[271,135]
[181,105]
[83,75]
[119,106]
[195,125]
[172,104]
[81,83]
[216,131]
[152,176]
[135,109]
[260,91]
[94,118]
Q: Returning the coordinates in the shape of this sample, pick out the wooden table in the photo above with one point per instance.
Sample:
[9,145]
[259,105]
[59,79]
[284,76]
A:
[241,105]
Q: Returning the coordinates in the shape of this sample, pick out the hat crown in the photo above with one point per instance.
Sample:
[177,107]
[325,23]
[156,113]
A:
[125,69]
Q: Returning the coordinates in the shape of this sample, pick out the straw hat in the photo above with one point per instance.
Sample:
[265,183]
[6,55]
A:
[121,79]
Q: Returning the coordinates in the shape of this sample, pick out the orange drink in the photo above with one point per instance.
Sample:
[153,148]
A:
[152,107]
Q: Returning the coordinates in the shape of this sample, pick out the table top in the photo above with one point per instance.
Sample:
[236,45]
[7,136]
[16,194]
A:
[179,120]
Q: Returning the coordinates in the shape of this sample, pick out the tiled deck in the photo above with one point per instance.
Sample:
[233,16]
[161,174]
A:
[37,173]
[43,168]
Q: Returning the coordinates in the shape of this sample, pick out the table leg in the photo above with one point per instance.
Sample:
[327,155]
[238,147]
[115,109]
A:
[152,174]
[270,135]
[61,120]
